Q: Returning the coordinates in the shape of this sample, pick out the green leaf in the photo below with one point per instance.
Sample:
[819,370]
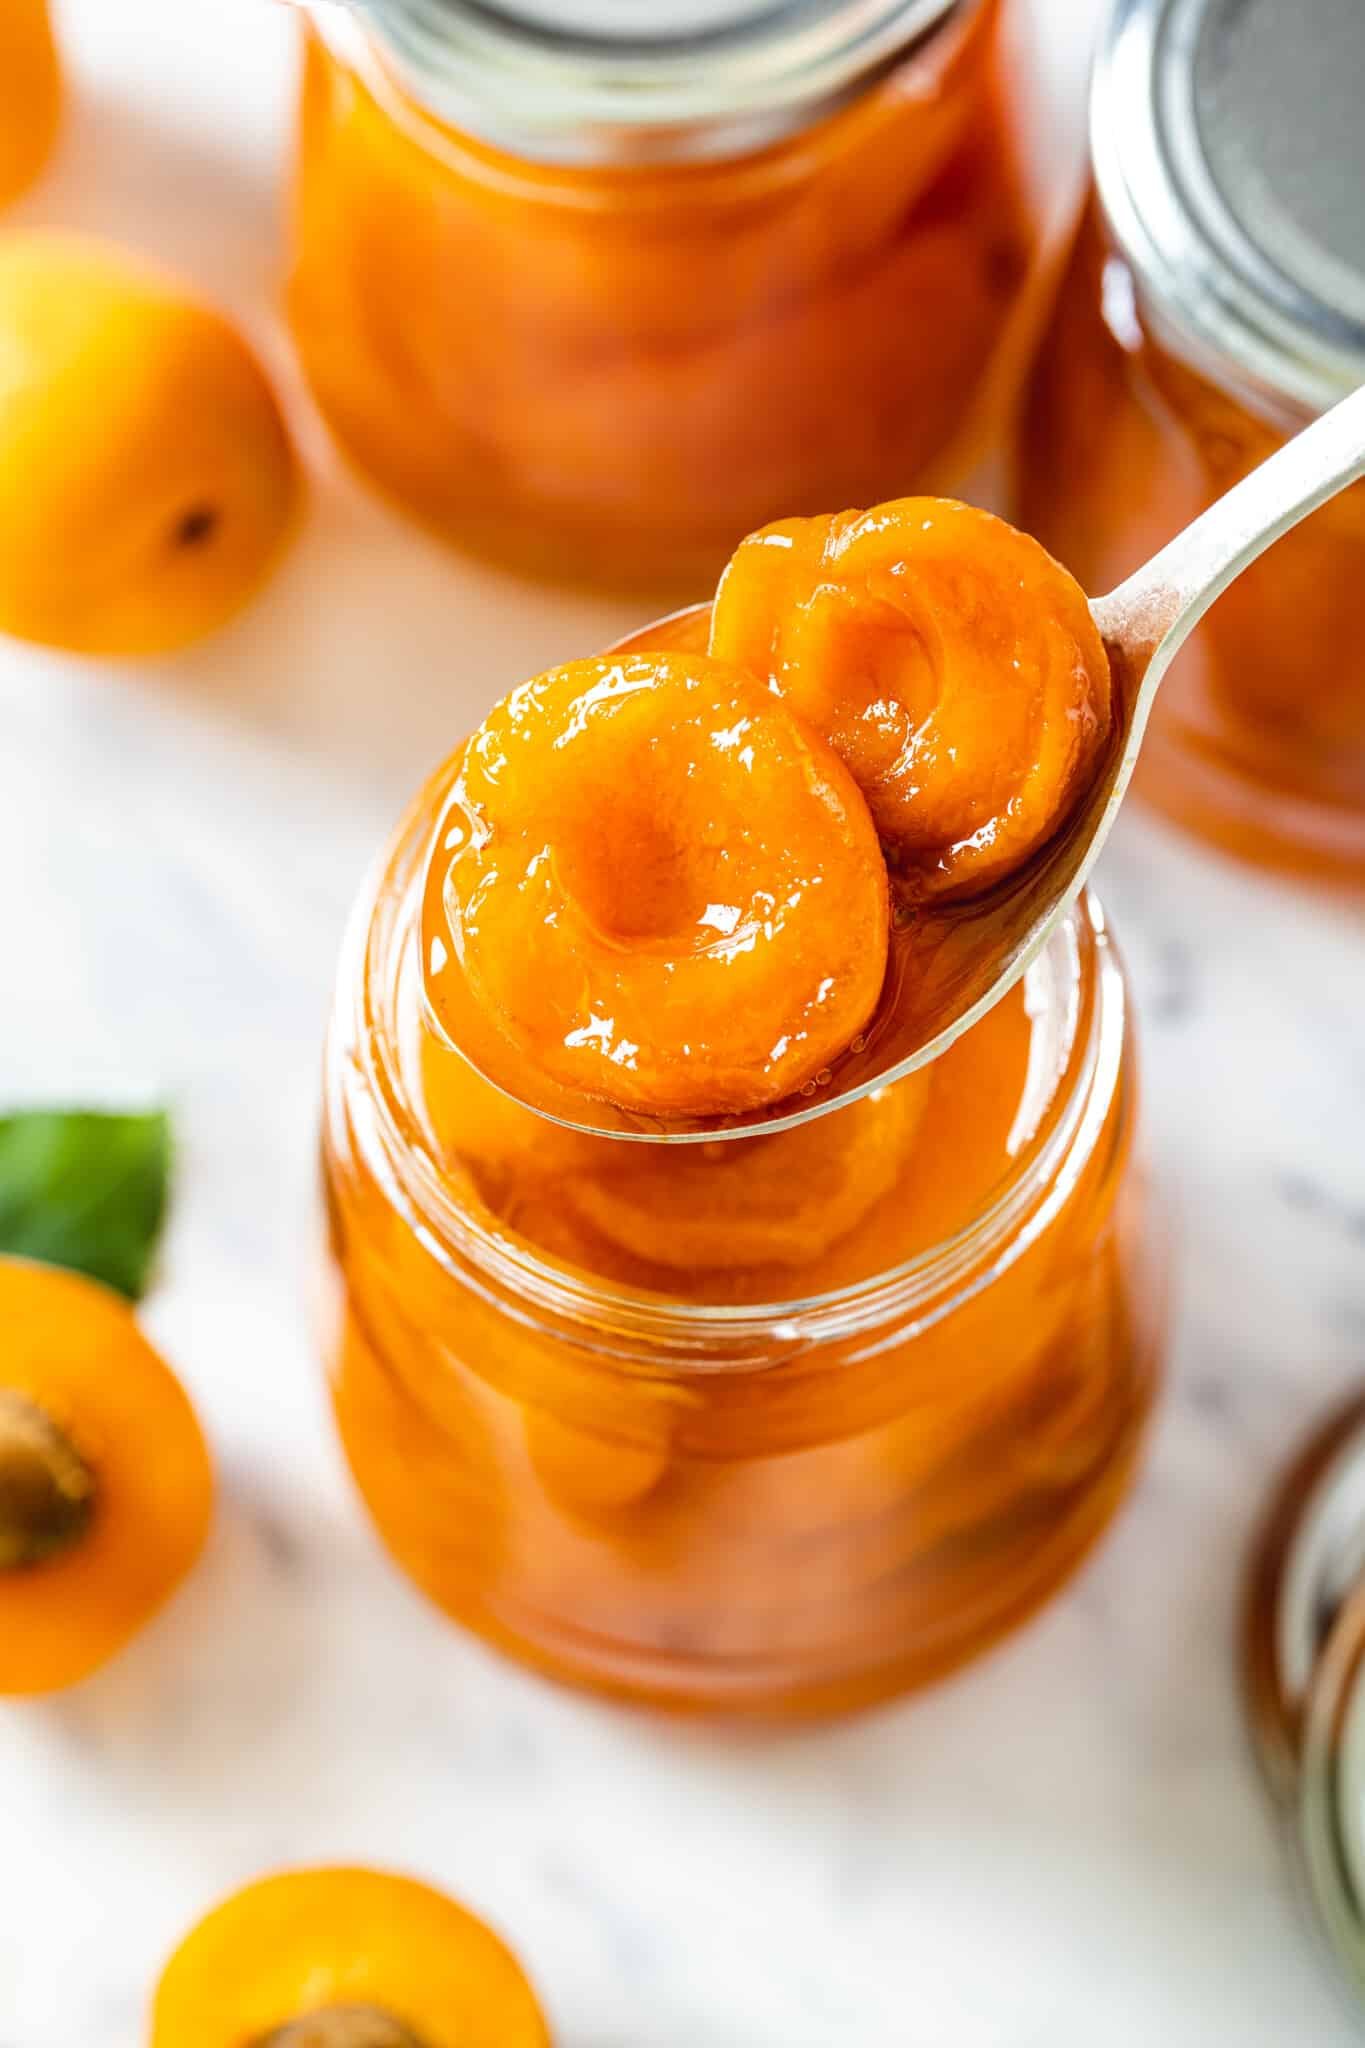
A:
[85,1189]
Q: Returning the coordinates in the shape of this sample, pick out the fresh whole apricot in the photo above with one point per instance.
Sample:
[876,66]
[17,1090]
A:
[30,93]
[342,1958]
[147,480]
[950,662]
[663,888]
[105,1484]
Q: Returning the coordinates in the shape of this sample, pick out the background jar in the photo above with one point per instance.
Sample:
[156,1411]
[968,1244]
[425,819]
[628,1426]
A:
[1215,305]
[601,307]
[774,1506]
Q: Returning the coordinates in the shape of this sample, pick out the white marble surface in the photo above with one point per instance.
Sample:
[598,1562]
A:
[1067,1846]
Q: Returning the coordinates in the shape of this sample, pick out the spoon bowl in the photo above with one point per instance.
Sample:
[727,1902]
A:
[952,963]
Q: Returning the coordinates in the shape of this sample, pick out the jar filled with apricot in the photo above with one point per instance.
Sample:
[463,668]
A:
[772,1425]
[1216,304]
[596,291]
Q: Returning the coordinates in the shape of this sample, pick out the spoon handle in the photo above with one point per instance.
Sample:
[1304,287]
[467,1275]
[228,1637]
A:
[1151,614]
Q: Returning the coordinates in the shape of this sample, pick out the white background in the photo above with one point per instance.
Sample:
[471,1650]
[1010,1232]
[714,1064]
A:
[1068,1845]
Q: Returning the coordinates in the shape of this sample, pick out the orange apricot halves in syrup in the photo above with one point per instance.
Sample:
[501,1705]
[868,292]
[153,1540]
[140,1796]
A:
[662,886]
[782,1198]
[105,1484]
[344,1959]
[951,663]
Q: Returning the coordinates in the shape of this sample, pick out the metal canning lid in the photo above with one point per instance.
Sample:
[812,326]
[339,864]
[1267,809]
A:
[1331,1812]
[1229,155]
[592,81]
[1307,1563]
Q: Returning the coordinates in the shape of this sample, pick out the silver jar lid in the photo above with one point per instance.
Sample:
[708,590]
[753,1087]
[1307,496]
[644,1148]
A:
[1307,1564]
[1229,154]
[1304,1672]
[601,81]
[1331,1815]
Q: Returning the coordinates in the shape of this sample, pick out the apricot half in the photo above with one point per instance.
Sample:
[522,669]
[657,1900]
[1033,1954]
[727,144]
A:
[105,1484]
[662,887]
[340,1958]
[779,1199]
[147,481]
[950,662]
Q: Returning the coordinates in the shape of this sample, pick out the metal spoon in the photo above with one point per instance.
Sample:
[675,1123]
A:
[961,960]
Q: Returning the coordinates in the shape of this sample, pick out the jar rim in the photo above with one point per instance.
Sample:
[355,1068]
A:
[928,1286]
[1224,293]
[556,96]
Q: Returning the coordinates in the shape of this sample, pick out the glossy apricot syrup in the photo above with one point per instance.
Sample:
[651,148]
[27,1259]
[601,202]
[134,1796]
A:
[777,1425]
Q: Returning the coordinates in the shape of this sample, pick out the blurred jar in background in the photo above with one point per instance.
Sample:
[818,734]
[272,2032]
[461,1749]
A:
[30,93]
[1216,304]
[773,1426]
[599,301]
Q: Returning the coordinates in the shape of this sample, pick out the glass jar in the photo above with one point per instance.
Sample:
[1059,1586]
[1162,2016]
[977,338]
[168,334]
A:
[774,1426]
[599,306]
[1215,304]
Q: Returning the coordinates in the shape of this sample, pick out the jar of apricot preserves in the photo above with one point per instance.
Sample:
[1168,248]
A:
[598,290]
[1216,304]
[775,1425]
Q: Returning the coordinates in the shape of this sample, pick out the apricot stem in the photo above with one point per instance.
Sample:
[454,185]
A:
[47,1491]
[342,2026]
[195,526]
